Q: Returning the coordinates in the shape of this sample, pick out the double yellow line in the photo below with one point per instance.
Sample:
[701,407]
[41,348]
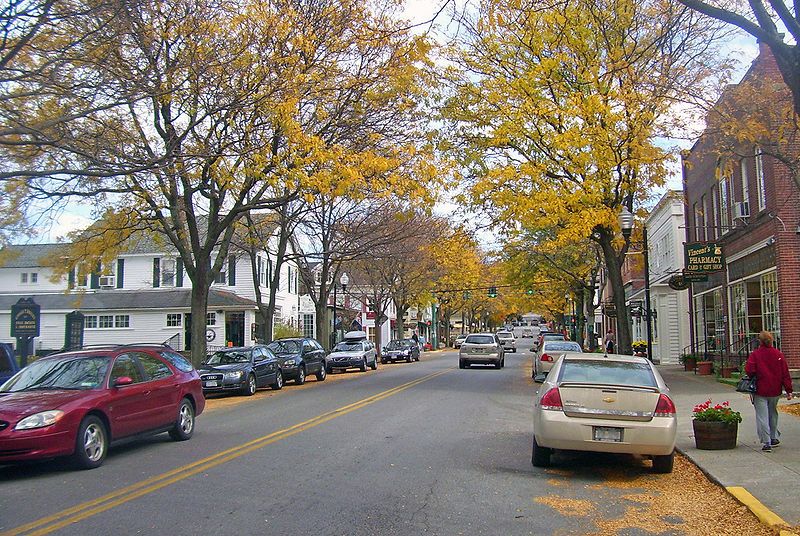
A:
[88,509]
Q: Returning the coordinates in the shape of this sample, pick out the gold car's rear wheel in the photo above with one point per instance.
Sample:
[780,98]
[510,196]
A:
[540,457]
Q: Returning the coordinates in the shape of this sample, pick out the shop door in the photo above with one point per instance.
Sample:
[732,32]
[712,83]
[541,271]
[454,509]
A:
[234,328]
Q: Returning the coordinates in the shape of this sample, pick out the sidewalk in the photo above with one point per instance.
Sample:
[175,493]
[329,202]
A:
[773,478]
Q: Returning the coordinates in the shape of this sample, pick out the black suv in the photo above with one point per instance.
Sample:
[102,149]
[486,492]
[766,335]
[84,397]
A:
[299,357]
[243,369]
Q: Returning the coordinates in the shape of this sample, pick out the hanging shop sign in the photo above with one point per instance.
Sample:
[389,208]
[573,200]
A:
[704,258]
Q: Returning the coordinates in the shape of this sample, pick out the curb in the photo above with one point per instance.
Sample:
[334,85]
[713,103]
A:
[764,514]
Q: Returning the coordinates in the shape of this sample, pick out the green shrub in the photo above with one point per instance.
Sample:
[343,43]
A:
[282,331]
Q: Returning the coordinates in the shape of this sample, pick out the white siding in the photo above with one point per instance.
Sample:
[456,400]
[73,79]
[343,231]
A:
[10,281]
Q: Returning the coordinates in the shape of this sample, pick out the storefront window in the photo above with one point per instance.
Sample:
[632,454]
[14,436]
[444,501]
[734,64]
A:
[741,336]
[769,304]
[709,321]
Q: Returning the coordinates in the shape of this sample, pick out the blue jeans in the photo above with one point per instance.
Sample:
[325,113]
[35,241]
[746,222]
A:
[766,418]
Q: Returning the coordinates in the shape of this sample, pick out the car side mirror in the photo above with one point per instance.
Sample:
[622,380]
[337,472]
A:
[123,380]
[540,378]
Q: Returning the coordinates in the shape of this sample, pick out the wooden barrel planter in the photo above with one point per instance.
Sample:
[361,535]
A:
[689,363]
[715,435]
[727,372]
[704,368]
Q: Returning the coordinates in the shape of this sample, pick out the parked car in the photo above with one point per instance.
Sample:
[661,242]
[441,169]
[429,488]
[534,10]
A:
[508,341]
[459,340]
[299,357]
[79,403]
[354,351]
[242,369]
[611,403]
[8,362]
[481,348]
[400,349]
[547,336]
[550,352]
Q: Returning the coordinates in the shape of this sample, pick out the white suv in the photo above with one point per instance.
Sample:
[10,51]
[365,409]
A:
[508,341]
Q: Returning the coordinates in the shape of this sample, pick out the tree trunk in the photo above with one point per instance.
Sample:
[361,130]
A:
[580,319]
[323,321]
[199,309]
[400,328]
[613,263]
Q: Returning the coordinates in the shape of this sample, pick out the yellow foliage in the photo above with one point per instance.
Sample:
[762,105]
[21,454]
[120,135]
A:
[560,106]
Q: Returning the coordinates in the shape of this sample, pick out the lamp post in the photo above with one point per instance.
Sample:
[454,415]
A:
[626,225]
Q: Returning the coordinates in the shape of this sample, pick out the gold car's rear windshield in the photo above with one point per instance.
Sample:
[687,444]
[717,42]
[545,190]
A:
[479,339]
[607,372]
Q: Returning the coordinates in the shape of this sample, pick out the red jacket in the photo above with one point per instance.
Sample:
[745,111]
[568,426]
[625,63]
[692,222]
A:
[769,367]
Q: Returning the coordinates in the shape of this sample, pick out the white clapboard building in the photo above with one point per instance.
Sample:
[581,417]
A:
[144,295]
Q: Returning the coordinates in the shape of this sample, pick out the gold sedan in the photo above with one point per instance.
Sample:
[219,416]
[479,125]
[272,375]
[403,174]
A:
[614,403]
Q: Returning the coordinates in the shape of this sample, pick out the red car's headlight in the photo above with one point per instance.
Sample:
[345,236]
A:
[40,420]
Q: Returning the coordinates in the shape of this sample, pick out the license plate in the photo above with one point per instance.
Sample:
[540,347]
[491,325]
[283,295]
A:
[606,433]
[212,384]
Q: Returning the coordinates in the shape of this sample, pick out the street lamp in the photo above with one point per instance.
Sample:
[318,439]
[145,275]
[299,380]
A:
[344,280]
[626,225]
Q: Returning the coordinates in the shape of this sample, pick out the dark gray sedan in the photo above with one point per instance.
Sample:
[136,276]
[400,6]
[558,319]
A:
[299,357]
[400,350]
[243,369]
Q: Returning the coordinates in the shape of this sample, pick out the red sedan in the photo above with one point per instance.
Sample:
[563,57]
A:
[78,403]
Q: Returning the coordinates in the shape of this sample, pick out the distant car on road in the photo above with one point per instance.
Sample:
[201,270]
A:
[241,369]
[78,403]
[400,350]
[508,341]
[299,357]
[527,333]
[549,354]
[355,351]
[611,403]
[548,336]
[459,340]
[482,349]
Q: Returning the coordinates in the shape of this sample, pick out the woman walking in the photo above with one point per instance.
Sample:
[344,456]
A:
[769,367]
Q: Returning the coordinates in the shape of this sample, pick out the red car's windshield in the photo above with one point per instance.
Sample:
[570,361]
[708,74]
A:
[80,373]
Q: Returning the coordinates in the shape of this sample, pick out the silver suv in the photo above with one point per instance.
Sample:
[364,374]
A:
[508,340]
[483,349]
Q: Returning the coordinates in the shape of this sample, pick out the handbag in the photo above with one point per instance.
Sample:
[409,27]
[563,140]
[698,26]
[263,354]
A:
[746,385]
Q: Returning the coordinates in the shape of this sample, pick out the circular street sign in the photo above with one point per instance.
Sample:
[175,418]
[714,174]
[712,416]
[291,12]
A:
[211,335]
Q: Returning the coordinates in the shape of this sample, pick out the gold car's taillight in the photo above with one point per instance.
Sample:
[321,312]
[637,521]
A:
[552,400]
[665,407]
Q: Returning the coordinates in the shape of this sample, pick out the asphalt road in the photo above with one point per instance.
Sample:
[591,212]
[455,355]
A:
[419,448]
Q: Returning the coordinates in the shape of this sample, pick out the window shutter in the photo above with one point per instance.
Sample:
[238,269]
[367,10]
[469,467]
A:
[71,279]
[120,273]
[95,277]
[232,270]
[156,272]
[179,273]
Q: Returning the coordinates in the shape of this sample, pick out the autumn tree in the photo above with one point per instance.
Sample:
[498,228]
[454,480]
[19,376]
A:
[205,112]
[557,271]
[459,279]
[768,22]
[558,108]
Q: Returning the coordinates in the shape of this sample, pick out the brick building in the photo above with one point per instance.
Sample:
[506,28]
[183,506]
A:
[740,195]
